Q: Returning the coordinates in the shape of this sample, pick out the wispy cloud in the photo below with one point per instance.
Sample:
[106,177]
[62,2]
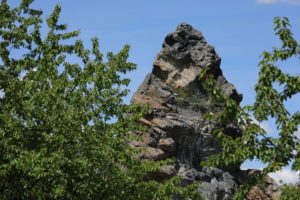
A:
[293,2]
[297,133]
[1,94]
[266,1]
[286,176]
[263,125]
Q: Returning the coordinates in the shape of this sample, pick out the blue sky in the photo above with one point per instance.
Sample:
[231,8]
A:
[239,31]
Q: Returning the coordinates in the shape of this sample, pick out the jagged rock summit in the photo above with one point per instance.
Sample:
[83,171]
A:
[177,103]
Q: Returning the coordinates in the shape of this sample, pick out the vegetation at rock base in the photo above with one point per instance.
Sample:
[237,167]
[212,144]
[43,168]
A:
[270,102]
[290,192]
[57,141]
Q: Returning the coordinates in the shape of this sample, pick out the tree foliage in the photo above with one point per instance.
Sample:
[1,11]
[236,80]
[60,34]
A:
[290,192]
[270,102]
[57,141]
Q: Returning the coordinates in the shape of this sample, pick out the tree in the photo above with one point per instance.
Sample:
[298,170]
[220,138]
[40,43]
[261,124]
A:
[270,102]
[57,141]
[290,192]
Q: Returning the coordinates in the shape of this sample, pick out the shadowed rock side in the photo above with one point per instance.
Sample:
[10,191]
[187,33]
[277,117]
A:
[177,101]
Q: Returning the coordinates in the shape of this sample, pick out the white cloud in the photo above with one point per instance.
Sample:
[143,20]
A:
[263,125]
[266,127]
[293,2]
[1,94]
[286,176]
[297,133]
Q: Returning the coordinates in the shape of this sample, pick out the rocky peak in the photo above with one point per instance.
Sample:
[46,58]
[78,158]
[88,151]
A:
[176,127]
[185,53]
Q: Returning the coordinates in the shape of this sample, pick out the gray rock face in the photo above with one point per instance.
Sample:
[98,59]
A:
[178,102]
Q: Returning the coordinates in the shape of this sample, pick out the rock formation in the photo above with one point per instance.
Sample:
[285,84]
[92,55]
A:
[176,127]
[270,191]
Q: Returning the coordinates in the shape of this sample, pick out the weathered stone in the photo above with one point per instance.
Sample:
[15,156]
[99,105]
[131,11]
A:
[271,188]
[177,103]
[151,153]
[147,140]
[168,170]
[167,145]
[257,193]
[266,190]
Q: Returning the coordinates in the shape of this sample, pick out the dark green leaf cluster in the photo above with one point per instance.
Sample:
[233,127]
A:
[57,138]
[270,102]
